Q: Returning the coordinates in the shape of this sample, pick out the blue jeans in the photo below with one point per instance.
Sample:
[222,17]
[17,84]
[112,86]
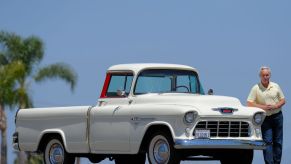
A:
[272,129]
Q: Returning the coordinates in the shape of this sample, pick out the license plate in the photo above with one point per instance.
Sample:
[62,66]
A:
[202,133]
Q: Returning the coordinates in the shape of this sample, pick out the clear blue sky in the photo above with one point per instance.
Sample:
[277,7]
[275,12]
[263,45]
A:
[226,40]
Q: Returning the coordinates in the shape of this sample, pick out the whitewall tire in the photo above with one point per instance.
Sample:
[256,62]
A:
[55,153]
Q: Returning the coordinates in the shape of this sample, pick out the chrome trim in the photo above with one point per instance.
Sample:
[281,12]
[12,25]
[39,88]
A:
[220,109]
[161,151]
[219,143]
[145,119]
[56,154]
[224,128]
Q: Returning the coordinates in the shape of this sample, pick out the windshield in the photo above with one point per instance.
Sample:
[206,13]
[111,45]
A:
[165,81]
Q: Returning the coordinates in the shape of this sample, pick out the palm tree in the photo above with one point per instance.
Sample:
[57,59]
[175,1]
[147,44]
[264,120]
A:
[29,52]
[8,74]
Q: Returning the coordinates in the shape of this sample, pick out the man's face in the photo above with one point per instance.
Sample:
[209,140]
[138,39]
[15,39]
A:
[265,76]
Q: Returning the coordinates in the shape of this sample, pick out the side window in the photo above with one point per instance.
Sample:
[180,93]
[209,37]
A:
[119,82]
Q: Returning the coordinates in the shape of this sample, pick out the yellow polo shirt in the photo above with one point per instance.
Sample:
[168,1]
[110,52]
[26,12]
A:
[266,96]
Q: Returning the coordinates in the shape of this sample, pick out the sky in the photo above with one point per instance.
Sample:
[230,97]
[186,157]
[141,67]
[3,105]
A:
[227,41]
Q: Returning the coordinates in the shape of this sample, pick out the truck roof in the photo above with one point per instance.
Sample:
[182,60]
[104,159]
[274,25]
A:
[136,67]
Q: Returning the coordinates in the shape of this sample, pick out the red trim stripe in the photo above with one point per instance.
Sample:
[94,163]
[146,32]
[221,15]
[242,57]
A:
[105,86]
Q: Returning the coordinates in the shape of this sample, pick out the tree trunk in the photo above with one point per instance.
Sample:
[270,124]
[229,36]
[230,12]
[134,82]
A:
[3,127]
[21,157]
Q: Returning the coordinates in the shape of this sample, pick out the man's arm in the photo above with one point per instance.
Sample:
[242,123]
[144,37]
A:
[267,107]
[280,104]
[264,107]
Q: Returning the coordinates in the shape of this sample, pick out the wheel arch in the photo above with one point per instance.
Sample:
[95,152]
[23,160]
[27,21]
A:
[48,134]
[152,128]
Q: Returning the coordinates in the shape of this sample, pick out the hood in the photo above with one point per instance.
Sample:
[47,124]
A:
[204,104]
[189,99]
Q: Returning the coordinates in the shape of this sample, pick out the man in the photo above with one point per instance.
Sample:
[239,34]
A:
[269,97]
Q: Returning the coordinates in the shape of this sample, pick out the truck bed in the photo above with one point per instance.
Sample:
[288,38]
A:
[71,122]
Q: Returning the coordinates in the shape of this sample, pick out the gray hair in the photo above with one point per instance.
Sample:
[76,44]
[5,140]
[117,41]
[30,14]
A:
[264,68]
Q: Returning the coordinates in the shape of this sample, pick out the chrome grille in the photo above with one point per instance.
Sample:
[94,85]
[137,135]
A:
[225,128]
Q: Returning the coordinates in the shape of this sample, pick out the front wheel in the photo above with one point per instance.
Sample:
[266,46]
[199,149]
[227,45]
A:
[161,149]
[55,153]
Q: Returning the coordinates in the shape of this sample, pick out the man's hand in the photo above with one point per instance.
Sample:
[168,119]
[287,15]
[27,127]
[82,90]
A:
[270,107]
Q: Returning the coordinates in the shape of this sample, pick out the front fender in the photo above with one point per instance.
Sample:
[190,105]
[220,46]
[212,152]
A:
[139,138]
[160,123]
[146,116]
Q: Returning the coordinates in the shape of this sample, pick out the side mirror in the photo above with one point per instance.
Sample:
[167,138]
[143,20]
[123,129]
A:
[121,93]
[210,92]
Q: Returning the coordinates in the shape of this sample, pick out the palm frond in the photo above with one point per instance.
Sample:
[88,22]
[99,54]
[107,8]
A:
[16,70]
[13,44]
[34,48]
[3,59]
[29,50]
[60,71]
[8,79]
[22,98]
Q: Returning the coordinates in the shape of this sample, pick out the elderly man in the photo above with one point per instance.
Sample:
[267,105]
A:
[269,97]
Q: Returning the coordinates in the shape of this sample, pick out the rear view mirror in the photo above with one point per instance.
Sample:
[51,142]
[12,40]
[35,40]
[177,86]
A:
[121,93]
[210,92]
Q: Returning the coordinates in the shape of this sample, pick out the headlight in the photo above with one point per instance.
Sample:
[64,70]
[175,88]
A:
[190,117]
[259,118]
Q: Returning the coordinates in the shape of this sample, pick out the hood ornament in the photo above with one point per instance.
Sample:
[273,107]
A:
[225,109]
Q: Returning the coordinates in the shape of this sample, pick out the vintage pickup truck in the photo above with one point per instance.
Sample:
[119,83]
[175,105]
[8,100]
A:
[154,110]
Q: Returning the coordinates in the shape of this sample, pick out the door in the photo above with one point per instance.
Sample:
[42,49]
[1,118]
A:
[110,121]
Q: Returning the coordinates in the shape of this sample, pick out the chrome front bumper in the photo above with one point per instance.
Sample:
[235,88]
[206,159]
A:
[219,144]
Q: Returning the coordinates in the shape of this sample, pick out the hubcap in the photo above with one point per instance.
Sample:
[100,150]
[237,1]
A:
[56,154]
[161,151]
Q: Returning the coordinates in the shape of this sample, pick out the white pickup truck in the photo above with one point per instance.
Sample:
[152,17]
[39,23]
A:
[158,110]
